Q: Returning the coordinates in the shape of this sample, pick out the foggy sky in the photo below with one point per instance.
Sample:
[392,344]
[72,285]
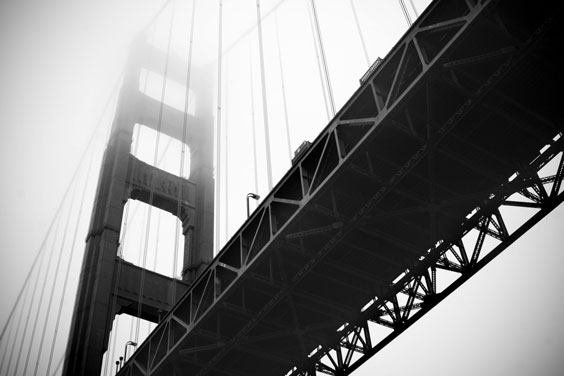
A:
[60,61]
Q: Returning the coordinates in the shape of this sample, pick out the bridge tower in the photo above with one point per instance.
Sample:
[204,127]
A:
[109,285]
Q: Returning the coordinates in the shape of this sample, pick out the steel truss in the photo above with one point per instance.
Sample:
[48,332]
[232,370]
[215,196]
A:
[535,193]
[424,156]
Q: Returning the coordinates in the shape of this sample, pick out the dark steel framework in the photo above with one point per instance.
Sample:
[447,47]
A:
[404,191]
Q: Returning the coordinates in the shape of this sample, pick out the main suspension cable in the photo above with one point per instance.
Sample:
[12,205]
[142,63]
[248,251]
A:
[264,101]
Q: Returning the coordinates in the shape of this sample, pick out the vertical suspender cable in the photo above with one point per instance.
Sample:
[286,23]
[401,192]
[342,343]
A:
[113,337]
[40,304]
[264,101]
[405,12]
[29,274]
[56,217]
[17,330]
[59,364]
[159,215]
[319,66]
[414,9]
[59,258]
[151,189]
[284,102]
[42,246]
[253,116]
[28,315]
[360,33]
[139,262]
[226,143]
[323,59]
[7,342]
[218,133]
[113,333]
[69,265]
[183,149]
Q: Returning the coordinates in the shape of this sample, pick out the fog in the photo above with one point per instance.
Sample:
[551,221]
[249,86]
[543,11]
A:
[60,71]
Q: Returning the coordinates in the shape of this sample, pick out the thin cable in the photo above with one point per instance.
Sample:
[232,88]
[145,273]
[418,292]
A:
[157,14]
[264,101]
[43,287]
[59,364]
[69,264]
[73,176]
[253,117]
[414,9]
[75,173]
[251,29]
[183,151]
[218,133]
[41,247]
[154,260]
[139,260]
[30,271]
[17,330]
[323,59]
[151,190]
[7,342]
[284,102]
[405,12]
[28,316]
[120,252]
[360,33]
[120,257]
[59,258]
[226,145]
[319,66]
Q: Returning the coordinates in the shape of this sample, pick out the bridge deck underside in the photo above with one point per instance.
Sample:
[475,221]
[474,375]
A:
[402,170]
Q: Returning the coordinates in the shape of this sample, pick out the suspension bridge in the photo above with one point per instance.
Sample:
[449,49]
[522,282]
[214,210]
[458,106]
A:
[448,151]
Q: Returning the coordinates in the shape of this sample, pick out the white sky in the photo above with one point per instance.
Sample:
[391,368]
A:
[59,64]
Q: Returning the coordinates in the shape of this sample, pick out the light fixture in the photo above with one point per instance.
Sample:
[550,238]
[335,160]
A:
[128,343]
[254,196]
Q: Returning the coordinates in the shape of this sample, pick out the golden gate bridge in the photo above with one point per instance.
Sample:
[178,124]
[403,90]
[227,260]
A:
[448,152]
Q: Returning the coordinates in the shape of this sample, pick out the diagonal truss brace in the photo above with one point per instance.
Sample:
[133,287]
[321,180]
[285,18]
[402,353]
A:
[417,289]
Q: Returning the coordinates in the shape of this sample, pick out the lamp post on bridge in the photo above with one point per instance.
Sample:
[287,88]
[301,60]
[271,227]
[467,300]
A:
[128,343]
[254,196]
